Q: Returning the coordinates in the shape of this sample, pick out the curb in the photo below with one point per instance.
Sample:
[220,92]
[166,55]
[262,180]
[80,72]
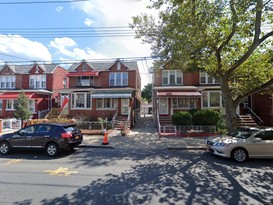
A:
[168,148]
[96,146]
[186,148]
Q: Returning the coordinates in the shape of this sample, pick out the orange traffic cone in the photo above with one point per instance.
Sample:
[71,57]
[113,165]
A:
[105,140]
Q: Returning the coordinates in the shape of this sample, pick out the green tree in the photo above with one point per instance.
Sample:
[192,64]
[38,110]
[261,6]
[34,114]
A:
[21,108]
[230,40]
[146,93]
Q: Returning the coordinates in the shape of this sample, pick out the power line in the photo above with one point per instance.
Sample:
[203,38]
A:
[40,2]
[141,58]
[79,32]
[3,54]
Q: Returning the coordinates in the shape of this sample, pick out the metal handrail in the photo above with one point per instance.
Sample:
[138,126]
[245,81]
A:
[239,116]
[254,114]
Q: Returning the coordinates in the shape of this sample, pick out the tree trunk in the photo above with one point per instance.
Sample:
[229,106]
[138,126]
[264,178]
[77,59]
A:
[230,107]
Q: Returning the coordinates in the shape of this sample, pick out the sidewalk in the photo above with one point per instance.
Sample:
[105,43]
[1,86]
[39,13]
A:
[143,136]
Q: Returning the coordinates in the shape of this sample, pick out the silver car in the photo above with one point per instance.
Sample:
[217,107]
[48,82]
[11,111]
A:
[249,143]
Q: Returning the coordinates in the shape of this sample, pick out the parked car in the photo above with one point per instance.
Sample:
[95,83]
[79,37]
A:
[248,143]
[51,137]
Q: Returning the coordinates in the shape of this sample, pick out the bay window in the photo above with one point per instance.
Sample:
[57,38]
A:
[107,103]
[211,99]
[81,101]
[184,103]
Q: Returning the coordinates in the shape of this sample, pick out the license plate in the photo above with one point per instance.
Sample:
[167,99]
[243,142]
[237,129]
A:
[77,137]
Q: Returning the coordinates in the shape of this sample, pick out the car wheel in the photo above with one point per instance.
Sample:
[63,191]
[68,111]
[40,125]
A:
[5,148]
[52,149]
[239,155]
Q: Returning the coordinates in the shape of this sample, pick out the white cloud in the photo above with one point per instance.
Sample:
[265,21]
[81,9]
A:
[88,22]
[113,14]
[105,14]
[68,47]
[120,13]
[22,48]
[59,9]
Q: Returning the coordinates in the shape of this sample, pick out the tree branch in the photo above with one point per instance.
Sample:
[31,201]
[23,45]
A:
[263,87]
[256,41]
[234,25]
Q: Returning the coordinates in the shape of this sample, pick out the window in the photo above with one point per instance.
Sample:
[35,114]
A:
[81,100]
[206,79]
[43,129]
[266,135]
[107,103]
[186,103]
[7,81]
[211,99]
[1,104]
[84,80]
[118,79]
[172,77]
[31,106]
[65,83]
[10,104]
[37,81]
[125,106]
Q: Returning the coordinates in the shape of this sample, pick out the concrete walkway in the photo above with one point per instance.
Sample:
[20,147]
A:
[144,135]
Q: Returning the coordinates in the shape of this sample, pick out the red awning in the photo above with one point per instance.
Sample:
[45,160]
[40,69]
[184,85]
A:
[14,95]
[179,94]
[75,74]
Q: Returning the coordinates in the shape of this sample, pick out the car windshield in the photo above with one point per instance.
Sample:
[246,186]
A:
[245,134]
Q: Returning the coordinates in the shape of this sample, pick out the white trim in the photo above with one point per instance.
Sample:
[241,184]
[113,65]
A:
[112,95]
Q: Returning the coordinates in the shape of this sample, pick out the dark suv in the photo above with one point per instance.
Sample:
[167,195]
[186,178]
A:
[51,137]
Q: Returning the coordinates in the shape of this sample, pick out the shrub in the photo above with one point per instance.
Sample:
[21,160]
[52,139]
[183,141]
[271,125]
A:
[206,117]
[182,118]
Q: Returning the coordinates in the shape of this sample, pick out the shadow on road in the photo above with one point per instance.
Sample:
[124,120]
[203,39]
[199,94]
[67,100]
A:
[172,177]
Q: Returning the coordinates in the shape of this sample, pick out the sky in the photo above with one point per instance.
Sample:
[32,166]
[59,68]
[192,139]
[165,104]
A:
[31,30]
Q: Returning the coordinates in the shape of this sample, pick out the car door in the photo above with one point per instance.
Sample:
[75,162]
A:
[262,144]
[22,139]
[41,136]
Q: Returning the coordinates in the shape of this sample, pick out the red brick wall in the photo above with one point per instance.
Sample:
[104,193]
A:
[25,81]
[189,79]
[102,81]
[94,114]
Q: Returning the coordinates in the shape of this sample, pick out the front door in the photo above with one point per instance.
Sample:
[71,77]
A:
[163,106]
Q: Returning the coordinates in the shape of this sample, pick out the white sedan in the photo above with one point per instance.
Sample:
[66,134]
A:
[250,143]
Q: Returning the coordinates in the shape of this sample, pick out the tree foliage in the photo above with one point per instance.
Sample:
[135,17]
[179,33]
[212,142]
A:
[146,93]
[21,108]
[231,40]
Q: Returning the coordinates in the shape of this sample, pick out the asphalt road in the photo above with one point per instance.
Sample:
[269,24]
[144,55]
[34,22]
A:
[123,176]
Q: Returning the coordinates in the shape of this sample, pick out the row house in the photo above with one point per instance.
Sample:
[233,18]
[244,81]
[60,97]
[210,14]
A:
[39,82]
[102,90]
[174,91]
